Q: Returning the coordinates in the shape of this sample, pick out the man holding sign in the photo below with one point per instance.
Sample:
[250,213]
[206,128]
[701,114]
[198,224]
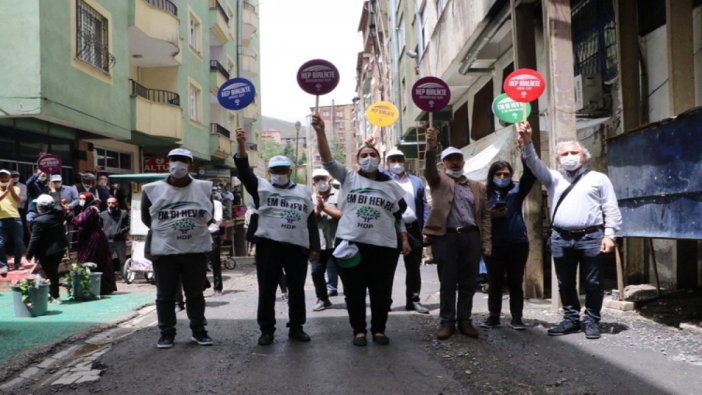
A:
[584,228]
[460,229]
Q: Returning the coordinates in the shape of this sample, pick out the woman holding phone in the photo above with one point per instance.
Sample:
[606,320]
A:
[510,245]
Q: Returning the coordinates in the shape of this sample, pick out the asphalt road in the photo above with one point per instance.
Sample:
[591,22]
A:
[633,356]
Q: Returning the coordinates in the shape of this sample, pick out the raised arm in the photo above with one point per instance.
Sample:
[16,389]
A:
[431,173]
[323,144]
[241,161]
[532,161]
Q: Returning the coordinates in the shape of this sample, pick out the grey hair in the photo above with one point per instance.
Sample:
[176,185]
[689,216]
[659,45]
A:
[562,143]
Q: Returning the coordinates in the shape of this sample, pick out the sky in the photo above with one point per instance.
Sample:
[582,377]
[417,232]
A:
[293,32]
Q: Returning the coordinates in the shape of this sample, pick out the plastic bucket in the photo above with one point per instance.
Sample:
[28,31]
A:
[94,289]
[40,301]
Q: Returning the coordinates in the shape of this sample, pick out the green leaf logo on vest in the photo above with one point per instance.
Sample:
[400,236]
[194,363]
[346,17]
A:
[291,216]
[184,225]
[367,214]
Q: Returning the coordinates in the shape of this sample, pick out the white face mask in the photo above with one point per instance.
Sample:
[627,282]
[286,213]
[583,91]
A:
[178,169]
[322,186]
[81,203]
[369,164]
[397,168]
[280,179]
[570,162]
[42,178]
[454,173]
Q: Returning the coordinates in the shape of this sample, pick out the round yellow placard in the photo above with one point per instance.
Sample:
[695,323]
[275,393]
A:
[382,113]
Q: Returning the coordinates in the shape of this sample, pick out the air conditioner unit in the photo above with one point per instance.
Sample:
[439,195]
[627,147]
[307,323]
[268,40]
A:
[588,93]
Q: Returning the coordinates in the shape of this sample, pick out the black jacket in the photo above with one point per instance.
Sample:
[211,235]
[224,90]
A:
[48,235]
[115,225]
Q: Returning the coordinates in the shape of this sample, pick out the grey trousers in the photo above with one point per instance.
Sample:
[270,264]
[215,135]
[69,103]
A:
[457,257]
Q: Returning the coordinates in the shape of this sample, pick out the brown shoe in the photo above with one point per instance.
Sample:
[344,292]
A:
[445,331]
[468,329]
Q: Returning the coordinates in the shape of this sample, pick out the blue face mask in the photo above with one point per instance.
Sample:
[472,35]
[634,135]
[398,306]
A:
[501,182]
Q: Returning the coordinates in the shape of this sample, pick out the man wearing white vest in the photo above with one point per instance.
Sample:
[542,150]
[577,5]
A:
[286,236]
[178,210]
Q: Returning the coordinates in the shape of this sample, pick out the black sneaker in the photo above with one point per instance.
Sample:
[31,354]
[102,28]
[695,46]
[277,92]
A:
[491,322]
[517,324]
[592,330]
[322,305]
[265,339]
[333,293]
[296,333]
[564,328]
[202,339]
[165,341]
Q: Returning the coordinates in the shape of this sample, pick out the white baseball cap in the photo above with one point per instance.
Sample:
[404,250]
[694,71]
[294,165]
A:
[394,152]
[3,171]
[181,152]
[56,177]
[279,161]
[450,151]
[44,200]
[320,173]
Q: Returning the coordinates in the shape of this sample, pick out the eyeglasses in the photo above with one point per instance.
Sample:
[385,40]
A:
[503,174]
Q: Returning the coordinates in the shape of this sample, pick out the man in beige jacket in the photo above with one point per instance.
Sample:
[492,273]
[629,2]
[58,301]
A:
[459,227]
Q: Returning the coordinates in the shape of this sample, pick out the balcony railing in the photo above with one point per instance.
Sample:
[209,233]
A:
[154,95]
[216,66]
[164,5]
[214,4]
[219,129]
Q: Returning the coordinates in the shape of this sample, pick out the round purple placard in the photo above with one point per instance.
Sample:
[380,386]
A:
[318,77]
[49,163]
[431,94]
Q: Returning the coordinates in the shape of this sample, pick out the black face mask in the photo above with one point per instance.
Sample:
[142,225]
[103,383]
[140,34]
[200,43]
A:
[113,209]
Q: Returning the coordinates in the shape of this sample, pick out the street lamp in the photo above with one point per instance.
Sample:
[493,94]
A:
[297,138]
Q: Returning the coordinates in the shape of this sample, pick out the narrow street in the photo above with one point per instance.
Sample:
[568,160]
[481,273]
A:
[634,355]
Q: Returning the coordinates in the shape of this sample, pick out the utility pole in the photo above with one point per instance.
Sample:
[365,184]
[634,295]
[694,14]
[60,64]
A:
[297,139]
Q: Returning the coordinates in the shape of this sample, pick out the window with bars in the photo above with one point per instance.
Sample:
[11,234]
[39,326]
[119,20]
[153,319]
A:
[594,38]
[92,37]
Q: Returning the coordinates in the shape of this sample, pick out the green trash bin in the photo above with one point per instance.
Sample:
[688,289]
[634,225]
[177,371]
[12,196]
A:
[40,301]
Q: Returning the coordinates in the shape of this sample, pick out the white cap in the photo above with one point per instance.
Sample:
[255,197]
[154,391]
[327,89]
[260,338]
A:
[56,177]
[279,161]
[181,152]
[44,200]
[394,152]
[320,173]
[3,171]
[450,151]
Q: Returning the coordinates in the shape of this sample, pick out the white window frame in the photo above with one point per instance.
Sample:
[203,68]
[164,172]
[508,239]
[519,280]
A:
[194,97]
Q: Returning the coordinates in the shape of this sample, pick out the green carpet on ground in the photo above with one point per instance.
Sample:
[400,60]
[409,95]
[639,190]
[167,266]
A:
[61,321]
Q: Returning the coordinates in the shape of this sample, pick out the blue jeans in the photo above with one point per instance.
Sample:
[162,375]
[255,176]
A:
[567,252]
[332,276]
[13,227]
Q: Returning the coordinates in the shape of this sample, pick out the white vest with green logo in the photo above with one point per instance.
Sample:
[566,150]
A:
[367,208]
[179,217]
[283,213]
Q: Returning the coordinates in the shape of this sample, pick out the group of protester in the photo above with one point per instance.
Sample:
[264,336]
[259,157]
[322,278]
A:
[46,210]
[376,215]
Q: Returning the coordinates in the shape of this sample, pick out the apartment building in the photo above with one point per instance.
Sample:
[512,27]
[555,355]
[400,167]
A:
[339,121]
[610,67]
[110,85]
